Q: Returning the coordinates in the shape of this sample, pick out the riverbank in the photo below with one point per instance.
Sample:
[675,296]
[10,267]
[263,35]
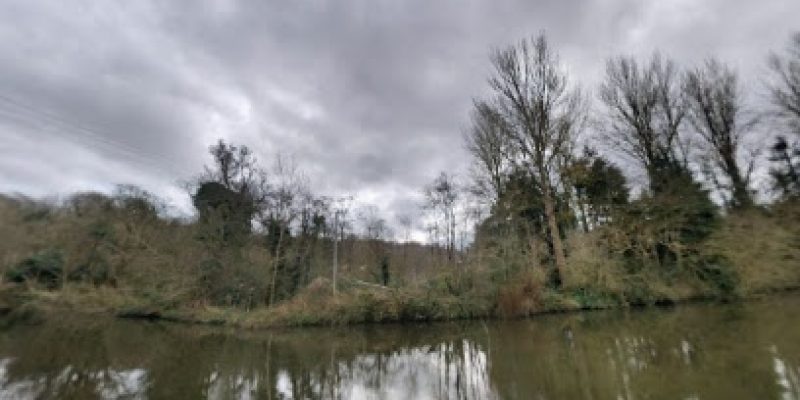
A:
[361,307]
[111,264]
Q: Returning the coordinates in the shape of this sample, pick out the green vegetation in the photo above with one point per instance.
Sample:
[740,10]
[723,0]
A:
[541,226]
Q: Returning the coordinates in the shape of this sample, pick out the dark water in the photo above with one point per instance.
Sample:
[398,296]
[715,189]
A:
[745,351]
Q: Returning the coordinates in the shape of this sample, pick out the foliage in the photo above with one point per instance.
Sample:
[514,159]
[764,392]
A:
[785,171]
[45,267]
[220,206]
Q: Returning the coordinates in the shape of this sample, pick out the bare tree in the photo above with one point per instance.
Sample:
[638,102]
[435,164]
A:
[377,234]
[785,88]
[440,197]
[487,141]
[373,226]
[281,208]
[405,222]
[785,91]
[645,110]
[341,207]
[542,114]
[715,111]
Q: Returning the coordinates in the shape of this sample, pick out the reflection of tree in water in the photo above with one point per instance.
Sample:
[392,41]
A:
[71,383]
[706,352]
[702,351]
[455,369]
[112,359]
[449,370]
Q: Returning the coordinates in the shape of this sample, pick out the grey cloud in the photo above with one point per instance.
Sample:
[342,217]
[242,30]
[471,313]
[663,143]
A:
[369,96]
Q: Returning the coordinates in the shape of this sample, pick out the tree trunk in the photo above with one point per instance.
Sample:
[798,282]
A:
[741,196]
[740,192]
[555,232]
[584,210]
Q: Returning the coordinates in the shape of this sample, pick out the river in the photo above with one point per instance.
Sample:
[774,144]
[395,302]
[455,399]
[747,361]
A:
[749,350]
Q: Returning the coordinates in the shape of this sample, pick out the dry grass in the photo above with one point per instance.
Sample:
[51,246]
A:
[590,265]
[524,295]
[764,248]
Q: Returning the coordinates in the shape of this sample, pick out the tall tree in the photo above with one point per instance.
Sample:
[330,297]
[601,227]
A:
[542,114]
[281,208]
[377,234]
[487,141]
[231,189]
[441,196]
[235,167]
[645,109]
[715,111]
[339,209]
[405,223]
[785,88]
[785,91]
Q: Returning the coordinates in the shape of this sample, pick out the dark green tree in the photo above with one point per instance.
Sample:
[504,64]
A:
[600,187]
[230,192]
[786,170]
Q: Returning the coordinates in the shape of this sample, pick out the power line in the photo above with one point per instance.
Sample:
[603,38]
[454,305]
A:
[94,139]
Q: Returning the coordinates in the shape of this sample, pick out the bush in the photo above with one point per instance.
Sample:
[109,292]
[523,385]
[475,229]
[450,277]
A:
[591,266]
[235,284]
[638,290]
[717,272]
[523,295]
[45,267]
[96,270]
[761,248]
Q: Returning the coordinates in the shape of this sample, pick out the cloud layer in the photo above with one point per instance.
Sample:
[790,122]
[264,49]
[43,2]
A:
[370,97]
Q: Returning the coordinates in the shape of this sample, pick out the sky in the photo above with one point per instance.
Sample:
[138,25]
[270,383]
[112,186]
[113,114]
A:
[370,98]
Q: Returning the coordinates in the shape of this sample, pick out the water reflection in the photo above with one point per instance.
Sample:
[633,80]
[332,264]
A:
[694,352]
[128,384]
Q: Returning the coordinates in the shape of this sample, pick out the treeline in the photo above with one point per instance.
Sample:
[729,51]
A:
[241,250]
[688,131]
[548,220]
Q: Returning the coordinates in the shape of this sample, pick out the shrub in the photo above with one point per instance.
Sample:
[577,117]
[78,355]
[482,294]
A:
[523,295]
[717,272]
[761,248]
[592,267]
[234,284]
[45,267]
[96,270]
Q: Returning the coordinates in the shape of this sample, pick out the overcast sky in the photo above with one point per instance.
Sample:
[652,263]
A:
[370,97]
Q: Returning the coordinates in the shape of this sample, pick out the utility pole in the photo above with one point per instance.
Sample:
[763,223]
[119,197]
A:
[335,247]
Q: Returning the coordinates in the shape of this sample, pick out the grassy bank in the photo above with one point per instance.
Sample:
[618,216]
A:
[357,307]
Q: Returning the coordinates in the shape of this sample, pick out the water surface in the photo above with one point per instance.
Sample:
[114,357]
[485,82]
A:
[708,351]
